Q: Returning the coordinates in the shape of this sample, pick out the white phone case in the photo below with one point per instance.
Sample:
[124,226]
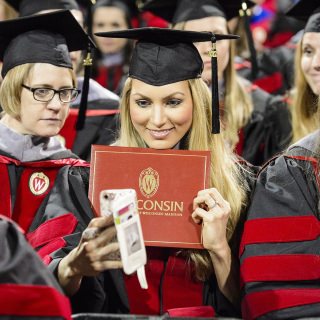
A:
[122,204]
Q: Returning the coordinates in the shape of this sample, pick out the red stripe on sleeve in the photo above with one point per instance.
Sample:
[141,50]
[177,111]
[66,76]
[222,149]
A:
[32,301]
[280,229]
[270,83]
[284,267]
[46,250]
[257,304]
[51,229]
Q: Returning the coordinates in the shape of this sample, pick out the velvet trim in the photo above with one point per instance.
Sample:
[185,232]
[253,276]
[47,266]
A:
[54,228]
[280,229]
[284,267]
[32,301]
[46,163]
[257,304]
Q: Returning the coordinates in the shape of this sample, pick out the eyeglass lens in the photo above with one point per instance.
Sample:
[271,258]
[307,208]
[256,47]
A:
[46,94]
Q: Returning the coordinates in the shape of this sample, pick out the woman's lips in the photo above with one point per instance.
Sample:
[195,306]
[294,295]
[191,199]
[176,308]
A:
[159,134]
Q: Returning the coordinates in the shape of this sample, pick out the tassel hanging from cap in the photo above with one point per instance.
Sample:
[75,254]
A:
[214,85]
[87,62]
[245,13]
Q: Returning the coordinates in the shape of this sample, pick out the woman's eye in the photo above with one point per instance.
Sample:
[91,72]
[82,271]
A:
[42,92]
[307,51]
[143,103]
[115,25]
[99,25]
[173,102]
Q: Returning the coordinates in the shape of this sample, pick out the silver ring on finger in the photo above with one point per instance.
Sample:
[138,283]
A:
[213,204]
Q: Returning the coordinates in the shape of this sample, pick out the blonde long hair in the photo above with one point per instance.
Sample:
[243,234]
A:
[238,106]
[226,175]
[305,112]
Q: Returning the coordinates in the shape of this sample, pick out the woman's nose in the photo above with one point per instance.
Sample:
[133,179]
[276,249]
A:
[158,115]
[55,103]
[316,61]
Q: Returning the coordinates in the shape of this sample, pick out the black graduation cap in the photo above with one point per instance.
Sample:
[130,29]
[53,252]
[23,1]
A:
[308,11]
[175,11]
[163,56]
[30,7]
[46,38]
[86,3]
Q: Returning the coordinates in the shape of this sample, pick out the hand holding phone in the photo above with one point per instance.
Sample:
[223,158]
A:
[122,204]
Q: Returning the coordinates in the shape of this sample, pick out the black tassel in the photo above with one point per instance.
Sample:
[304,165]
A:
[245,13]
[87,62]
[214,87]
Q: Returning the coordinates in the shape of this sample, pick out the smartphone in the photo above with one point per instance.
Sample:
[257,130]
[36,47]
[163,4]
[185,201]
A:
[122,204]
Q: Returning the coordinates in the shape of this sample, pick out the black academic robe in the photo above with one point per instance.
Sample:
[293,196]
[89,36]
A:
[24,279]
[112,77]
[48,199]
[275,69]
[268,131]
[101,122]
[280,245]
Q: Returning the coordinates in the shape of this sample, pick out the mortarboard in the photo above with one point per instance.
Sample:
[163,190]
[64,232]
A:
[40,38]
[175,11]
[308,11]
[163,56]
[86,3]
[30,7]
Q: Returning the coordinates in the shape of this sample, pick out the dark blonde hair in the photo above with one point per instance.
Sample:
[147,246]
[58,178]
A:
[11,88]
[305,112]
[238,107]
[225,172]
[9,12]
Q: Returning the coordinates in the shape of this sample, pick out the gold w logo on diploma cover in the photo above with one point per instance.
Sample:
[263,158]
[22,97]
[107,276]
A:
[38,183]
[149,182]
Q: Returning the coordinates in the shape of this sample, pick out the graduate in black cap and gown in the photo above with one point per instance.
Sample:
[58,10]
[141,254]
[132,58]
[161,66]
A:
[165,104]
[306,90]
[280,245]
[255,124]
[275,56]
[43,185]
[98,125]
[110,65]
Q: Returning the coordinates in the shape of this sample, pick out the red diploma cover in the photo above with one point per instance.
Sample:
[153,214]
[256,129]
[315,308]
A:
[166,182]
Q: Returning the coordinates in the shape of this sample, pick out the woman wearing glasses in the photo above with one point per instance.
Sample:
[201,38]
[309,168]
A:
[43,185]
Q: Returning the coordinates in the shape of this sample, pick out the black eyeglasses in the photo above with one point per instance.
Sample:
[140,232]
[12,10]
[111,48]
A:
[47,94]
